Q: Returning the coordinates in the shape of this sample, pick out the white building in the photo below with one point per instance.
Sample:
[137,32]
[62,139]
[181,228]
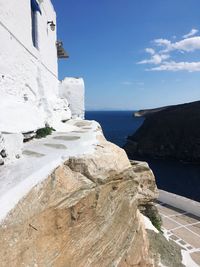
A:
[30,95]
[72,89]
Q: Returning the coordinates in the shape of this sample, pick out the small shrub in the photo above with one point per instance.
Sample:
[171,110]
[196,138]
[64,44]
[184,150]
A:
[151,212]
[157,222]
[43,132]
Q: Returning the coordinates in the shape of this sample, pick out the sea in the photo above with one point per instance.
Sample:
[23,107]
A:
[172,176]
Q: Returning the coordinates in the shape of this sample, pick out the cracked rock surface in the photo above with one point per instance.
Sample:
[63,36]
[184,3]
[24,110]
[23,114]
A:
[84,214]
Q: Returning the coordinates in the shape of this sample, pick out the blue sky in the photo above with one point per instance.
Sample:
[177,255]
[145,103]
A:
[132,54]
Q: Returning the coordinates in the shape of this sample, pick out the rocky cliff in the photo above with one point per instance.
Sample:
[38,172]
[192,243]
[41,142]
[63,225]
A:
[172,132]
[85,213]
[147,112]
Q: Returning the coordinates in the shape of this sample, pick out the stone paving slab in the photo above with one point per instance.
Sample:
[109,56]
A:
[195,228]
[183,228]
[185,219]
[196,257]
[187,236]
[166,210]
[169,224]
[40,157]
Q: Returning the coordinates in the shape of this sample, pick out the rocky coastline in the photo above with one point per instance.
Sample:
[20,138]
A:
[168,133]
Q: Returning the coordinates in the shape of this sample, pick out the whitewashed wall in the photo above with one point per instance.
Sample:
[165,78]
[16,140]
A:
[73,90]
[29,86]
[29,95]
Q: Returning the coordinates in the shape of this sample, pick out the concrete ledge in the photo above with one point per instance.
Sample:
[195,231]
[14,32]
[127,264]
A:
[180,202]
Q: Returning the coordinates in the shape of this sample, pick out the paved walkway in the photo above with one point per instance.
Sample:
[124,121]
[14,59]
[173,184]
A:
[41,157]
[183,228]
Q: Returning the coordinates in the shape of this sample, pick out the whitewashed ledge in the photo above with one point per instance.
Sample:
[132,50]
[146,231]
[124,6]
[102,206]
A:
[41,157]
[180,202]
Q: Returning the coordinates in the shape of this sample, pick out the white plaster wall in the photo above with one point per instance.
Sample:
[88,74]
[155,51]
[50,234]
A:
[12,145]
[46,37]
[73,90]
[180,202]
[29,94]
[16,16]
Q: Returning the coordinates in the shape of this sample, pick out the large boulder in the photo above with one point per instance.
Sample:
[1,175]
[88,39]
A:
[84,214]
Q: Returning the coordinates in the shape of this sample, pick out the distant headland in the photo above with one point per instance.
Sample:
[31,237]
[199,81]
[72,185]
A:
[171,132]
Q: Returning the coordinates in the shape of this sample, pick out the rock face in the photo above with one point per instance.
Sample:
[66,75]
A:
[172,132]
[147,112]
[84,214]
[167,252]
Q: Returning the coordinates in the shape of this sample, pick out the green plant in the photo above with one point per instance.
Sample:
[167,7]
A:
[152,213]
[157,222]
[43,132]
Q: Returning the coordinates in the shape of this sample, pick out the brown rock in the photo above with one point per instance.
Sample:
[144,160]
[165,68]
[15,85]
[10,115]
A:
[85,214]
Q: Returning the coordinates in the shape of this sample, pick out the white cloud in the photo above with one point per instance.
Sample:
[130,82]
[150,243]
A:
[151,51]
[162,42]
[126,83]
[162,51]
[178,66]
[191,33]
[188,45]
[140,83]
[155,59]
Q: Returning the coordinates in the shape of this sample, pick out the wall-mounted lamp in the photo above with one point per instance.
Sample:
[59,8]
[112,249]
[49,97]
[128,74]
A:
[52,25]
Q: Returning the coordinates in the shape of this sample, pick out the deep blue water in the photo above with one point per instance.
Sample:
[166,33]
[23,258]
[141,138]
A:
[173,176]
[116,125]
